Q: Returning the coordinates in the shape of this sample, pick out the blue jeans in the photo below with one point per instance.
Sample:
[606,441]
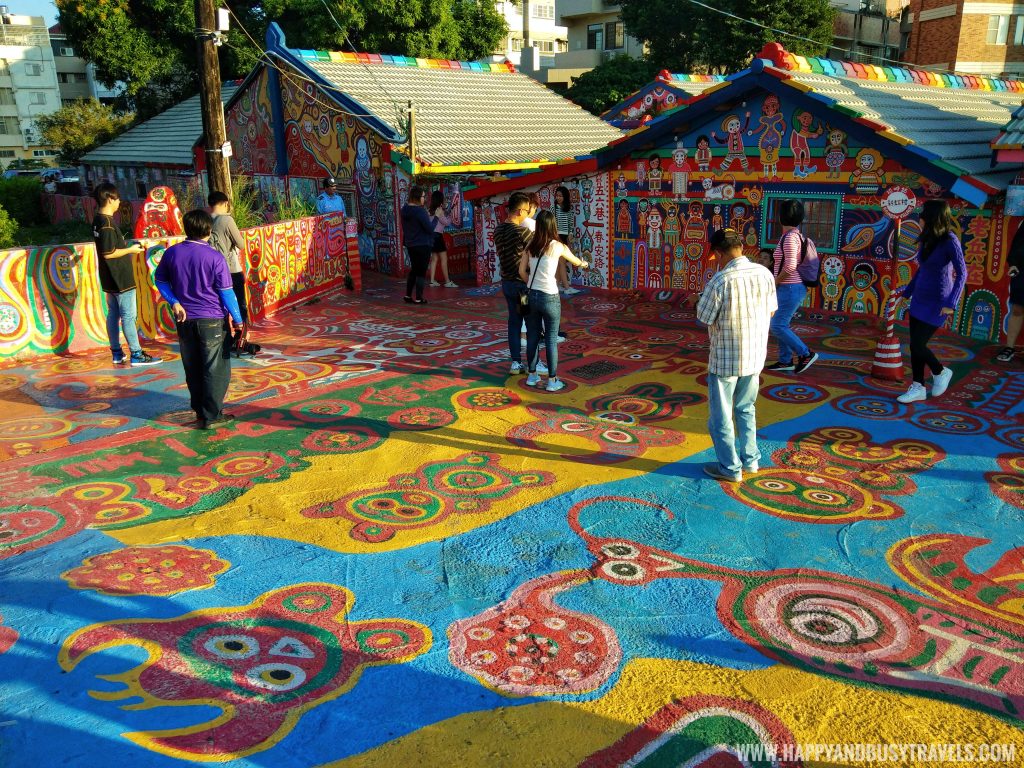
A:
[729,396]
[511,290]
[545,314]
[121,314]
[790,297]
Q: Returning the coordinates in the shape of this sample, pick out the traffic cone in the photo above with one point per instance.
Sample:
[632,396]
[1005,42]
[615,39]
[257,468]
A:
[888,363]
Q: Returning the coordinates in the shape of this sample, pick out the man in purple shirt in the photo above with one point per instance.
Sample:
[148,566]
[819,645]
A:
[193,278]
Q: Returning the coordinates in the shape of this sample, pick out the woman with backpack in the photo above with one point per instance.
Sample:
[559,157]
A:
[793,248]
[934,291]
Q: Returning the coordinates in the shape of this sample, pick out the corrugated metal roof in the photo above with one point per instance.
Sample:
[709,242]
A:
[166,139]
[1012,136]
[467,116]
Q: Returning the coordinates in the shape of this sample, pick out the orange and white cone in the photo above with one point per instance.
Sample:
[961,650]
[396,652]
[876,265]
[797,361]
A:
[888,363]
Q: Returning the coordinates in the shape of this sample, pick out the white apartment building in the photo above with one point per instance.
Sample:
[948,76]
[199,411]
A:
[547,37]
[595,34]
[28,86]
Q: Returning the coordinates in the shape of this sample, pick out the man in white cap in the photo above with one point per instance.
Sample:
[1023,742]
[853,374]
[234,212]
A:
[329,201]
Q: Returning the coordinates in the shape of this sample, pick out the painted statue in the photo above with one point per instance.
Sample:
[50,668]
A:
[772,126]
[161,216]
[798,142]
[868,177]
[835,152]
[734,149]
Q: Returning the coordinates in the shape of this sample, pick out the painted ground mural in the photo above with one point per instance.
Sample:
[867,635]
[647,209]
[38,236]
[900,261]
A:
[655,211]
[50,299]
[399,555]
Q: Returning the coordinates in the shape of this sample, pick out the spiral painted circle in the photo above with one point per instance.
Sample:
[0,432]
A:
[350,439]
[487,399]
[836,622]
[420,417]
[795,393]
[870,407]
[950,422]
[795,494]
[327,410]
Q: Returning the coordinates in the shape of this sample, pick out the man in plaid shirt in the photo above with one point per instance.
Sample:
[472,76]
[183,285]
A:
[736,306]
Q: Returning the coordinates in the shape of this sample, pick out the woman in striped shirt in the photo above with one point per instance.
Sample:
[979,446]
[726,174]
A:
[565,220]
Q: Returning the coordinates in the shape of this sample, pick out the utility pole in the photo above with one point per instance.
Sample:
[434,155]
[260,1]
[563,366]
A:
[214,132]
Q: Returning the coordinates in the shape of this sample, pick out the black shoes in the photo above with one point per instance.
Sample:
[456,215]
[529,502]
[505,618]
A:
[224,418]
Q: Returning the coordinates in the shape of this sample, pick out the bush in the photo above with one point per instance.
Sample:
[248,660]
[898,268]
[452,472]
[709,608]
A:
[8,227]
[294,207]
[20,197]
[245,205]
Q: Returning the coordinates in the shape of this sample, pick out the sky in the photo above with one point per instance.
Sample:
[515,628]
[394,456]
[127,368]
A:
[44,8]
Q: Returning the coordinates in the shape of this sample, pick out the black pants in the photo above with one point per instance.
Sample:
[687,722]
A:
[238,286]
[419,255]
[920,334]
[205,356]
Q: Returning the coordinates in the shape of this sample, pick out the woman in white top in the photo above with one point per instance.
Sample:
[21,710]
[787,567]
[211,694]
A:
[566,221]
[538,269]
[439,251]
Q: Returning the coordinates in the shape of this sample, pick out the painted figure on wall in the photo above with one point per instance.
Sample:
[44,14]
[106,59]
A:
[868,177]
[703,154]
[835,152]
[680,171]
[860,297]
[772,126]
[734,149]
[672,226]
[642,208]
[798,142]
[654,175]
[620,185]
[678,268]
[717,219]
[832,282]
[654,228]
[641,173]
[624,220]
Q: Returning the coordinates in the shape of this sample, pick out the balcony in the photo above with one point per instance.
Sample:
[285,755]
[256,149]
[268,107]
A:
[578,9]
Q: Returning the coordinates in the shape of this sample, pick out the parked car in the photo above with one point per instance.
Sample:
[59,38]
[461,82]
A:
[11,173]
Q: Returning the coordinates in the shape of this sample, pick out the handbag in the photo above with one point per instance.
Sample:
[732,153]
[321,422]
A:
[524,293]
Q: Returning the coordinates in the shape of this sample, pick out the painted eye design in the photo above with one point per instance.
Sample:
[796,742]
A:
[232,646]
[276,676]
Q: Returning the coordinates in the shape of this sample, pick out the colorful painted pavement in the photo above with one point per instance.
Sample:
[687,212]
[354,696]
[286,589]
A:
[397,555]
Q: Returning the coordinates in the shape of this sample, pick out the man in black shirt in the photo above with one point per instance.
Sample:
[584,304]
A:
[510,241]
[117,278]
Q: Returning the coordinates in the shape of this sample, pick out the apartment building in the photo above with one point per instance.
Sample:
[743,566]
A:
[870,31]
[547,38]
[595,33]
[28,86]
[969,37]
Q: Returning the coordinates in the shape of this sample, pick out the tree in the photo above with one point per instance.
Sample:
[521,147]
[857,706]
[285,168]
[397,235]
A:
[610,82]
[149,45]
[8,228]
[79,127]
[684,36]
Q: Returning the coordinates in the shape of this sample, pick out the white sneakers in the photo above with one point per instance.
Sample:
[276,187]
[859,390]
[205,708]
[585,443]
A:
[940,382]
[516,367]
[533,380]
[570,291]
[917,392]
[554,385]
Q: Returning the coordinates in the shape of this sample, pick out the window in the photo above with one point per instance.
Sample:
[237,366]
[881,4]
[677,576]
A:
[546,46]
[821,221]
[141,191]
[614,36]
[4,69]
[998,27]
[517,45]
[44,153]
[595,37]
[7,96]
[38,97]
[9,126]
[1018,31]
[542,11]
[34,70]
[8,153]
[63,77]
[65,51]
[561,46]
[80,77]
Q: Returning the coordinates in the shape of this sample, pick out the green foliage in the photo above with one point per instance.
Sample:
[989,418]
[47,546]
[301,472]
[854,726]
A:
[54,234]
[79,127]
[8,227]
[292,207]
[610,82]
[26,164]
[246,207]
[149,45]
[20,197]
[684,37]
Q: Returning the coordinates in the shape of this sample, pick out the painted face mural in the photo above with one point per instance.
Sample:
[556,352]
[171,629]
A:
[262,665]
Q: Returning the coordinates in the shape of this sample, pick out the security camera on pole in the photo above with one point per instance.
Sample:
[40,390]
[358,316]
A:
[897,204]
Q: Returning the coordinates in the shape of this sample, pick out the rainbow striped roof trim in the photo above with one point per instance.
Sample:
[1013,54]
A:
[344,57]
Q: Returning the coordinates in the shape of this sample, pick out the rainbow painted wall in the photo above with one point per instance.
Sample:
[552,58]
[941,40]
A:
[51,302]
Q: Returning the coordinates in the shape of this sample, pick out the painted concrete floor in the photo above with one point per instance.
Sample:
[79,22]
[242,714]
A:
[398,555]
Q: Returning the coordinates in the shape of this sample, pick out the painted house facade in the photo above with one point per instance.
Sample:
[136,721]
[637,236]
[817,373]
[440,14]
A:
[380,124]
[836,135]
